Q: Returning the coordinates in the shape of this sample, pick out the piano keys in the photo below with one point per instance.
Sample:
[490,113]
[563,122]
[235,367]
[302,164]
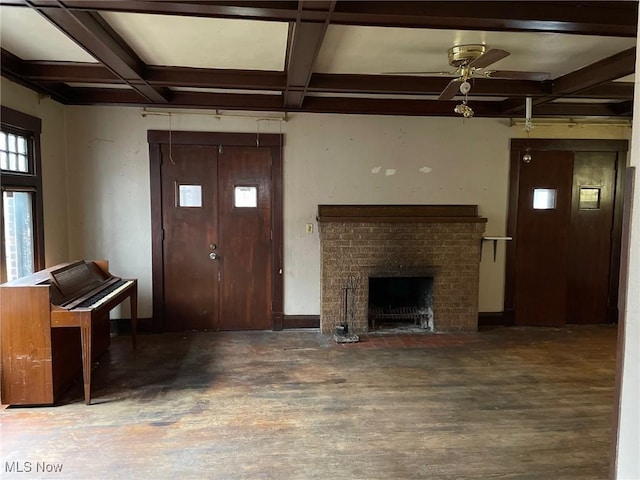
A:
[53,324]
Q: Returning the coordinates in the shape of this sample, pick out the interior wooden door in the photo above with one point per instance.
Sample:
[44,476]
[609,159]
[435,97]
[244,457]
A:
[590,241]
[216,215]
[190,231]
[544,212]
[245,238]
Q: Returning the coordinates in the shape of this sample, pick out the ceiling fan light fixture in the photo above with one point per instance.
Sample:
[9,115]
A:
[463,109]
[471,61]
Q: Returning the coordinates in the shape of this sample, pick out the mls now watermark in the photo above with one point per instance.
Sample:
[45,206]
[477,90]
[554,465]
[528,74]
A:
[32,467]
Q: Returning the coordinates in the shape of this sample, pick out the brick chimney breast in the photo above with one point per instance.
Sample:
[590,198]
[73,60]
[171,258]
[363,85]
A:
[442,241]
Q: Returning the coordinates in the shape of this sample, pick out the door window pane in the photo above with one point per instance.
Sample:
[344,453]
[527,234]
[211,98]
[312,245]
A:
[589,198]
[245,197]
[190,196]
[544,198]
[18,233]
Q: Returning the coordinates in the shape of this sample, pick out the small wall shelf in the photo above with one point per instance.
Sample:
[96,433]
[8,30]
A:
[495,244]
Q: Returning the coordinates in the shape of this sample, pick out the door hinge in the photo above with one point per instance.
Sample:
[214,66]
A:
[220,149]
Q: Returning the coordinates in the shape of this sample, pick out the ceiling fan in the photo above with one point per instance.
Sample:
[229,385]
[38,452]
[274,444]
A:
[471,61]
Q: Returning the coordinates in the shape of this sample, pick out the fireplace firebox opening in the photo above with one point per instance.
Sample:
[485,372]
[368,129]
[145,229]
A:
[397,302]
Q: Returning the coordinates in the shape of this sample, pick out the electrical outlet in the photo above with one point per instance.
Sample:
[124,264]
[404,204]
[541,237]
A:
[309,227]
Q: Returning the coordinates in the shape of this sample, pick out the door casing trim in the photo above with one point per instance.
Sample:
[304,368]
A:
[155,138]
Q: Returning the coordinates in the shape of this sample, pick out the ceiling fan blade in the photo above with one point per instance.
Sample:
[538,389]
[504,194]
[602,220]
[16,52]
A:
[515,75]
[428,74]
[489,57]
[451,90]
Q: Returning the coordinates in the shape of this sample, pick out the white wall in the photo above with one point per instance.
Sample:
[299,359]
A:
[54,171]
[628,461]
[327,159]
[388,160]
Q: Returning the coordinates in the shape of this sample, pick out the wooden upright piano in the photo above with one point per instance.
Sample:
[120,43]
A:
[53,324]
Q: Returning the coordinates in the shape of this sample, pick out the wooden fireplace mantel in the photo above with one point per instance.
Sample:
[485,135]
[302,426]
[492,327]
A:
[399,214]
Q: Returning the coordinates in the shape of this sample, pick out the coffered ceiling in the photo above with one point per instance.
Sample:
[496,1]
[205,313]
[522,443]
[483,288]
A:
[323,56]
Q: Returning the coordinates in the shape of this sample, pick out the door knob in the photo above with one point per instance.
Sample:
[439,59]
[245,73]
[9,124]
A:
[213,255]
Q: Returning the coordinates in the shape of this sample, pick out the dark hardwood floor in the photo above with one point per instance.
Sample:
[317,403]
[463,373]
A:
[503,403]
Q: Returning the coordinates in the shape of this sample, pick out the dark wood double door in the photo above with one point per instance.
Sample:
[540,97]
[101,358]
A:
[565,220]
[216,265]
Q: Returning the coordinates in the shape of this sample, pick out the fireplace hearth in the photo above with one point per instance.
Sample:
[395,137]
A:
[440,242]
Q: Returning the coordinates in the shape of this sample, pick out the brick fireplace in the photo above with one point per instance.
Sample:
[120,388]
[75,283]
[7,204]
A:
[365,241]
